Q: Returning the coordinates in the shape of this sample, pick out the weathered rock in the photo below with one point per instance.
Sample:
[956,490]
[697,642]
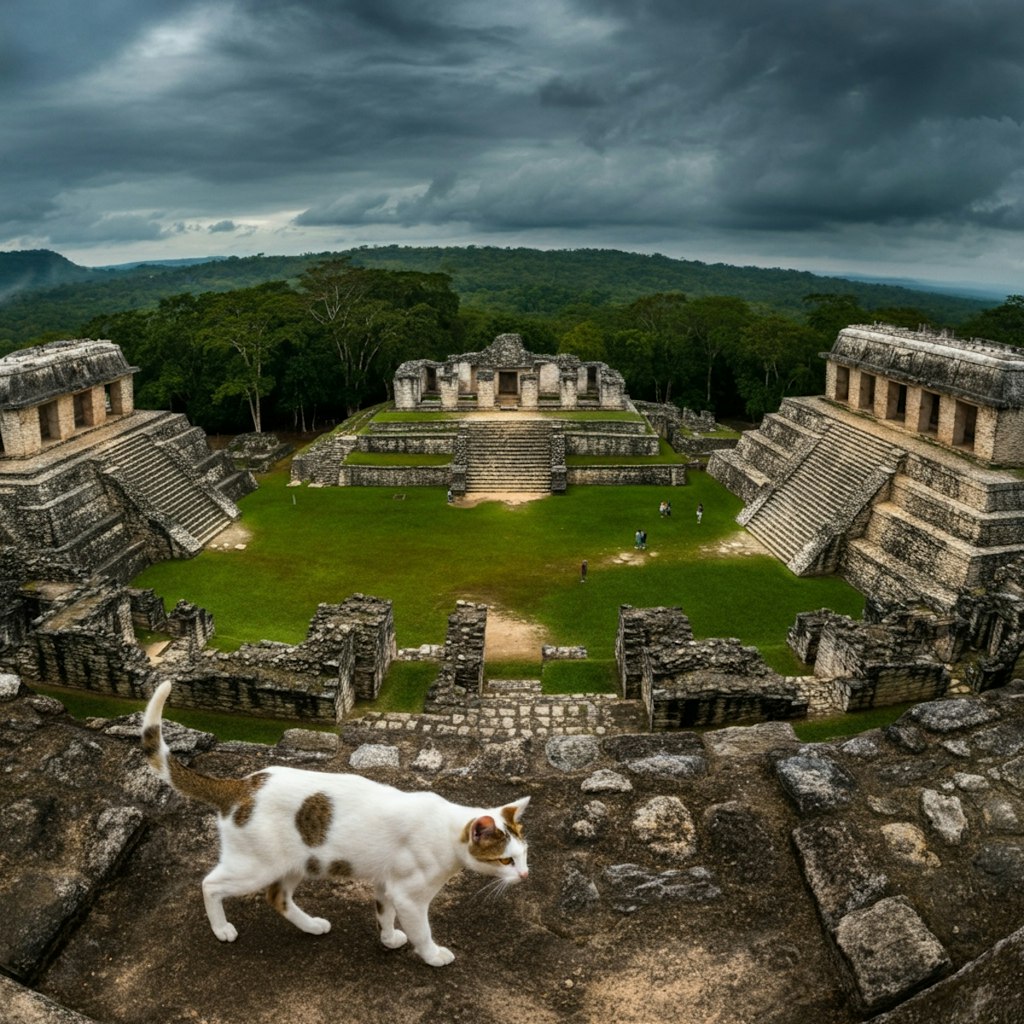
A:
[906,735]
[428,759]
[908,844]
[665,824]
[815,783]
[890,952]
[1000,863]
[604,780]
[10,685]
[374,755]
[23,1006]
[861,746]
[1013,772]
[945,814]
[571,753]
[635,746]
[633,887]
[578,892]
[985,991]
[750,740]
[591,825]
[311,741]
[944,716]
[1001,815]
[838,870]
[741,842]
[669,766]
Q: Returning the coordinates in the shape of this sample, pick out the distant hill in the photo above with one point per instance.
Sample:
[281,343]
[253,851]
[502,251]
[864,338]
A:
[43,295]
[35,269]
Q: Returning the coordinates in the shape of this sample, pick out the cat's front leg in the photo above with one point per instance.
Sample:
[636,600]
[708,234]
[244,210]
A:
[412,912]
[390,936]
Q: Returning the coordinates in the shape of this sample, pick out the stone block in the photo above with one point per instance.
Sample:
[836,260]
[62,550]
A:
[890,952]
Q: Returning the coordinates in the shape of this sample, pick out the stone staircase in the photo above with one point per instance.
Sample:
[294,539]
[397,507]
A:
[150,473]
[819,498]
[513,455]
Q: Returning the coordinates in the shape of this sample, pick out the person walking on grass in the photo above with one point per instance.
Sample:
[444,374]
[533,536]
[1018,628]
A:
[583,571]
[700,512]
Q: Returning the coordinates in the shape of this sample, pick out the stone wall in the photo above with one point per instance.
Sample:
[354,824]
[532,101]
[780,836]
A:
[638,627]
[611,443]
[670,475]
[394,476]
[461,675]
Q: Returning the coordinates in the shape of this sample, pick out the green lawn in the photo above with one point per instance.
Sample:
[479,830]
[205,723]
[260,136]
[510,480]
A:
[322,544]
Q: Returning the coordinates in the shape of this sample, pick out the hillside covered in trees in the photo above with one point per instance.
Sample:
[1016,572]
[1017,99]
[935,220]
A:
[298,342]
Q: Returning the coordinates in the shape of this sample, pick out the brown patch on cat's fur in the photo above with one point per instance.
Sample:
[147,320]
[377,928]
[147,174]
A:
[151,746]
[276,898]
[339,869]
[486,840]
[313,818]
[224,794]
[245,807]
[313,866]
[509,814]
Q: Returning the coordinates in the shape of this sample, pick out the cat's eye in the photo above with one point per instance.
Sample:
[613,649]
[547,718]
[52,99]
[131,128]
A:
[506,860]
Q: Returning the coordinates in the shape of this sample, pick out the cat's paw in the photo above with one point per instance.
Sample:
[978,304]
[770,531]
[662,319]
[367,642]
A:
[438,957]
[395,939]
[227,932]
[317,926]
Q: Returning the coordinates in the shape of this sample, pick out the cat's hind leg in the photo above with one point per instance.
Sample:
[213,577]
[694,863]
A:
[391,936]
[279,896]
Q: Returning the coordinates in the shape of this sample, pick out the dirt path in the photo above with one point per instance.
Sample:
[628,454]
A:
[511,639]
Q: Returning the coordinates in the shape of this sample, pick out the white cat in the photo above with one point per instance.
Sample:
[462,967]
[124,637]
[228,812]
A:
[282,824]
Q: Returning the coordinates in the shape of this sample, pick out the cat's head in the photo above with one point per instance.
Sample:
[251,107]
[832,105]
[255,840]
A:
[495,843]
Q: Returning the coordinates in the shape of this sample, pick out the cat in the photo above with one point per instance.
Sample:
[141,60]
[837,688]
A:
[281,825]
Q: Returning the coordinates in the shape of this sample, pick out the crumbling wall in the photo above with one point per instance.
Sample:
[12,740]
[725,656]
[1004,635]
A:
[461,675]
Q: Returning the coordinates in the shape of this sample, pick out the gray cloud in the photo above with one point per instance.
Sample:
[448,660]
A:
[823,131]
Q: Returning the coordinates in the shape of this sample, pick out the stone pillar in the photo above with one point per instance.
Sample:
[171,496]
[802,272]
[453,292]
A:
[122,397]
[19,429]
[529,391]
[485,393]
[65,416]
[913,418]
[1007,445]
[448,385]
[947,419]
[407,392]
[569,390]
[95,405]
[613,393]
[881,404]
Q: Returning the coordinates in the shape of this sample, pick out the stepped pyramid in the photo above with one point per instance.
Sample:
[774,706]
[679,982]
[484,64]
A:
[902,519]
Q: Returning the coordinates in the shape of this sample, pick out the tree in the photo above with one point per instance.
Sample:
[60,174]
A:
[776,357]
[1003,323]
[585,340]
[243,328]
[713,324]
[829,312]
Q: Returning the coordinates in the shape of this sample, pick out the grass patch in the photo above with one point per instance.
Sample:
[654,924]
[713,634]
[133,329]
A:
[588,676]
[412,416]
[310,545]
[818,730]
[225,726]
[513,669]
[404,689]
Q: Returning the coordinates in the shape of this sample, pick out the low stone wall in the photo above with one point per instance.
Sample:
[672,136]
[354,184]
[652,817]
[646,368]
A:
[639,627]
[406,444]
[607,443]
[321,462]
[619,476]
[461,675]
[394,476]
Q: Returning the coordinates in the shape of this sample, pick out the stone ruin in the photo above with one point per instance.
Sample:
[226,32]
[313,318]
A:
[66,629]
[490,451]
[902,478]
[506,375]
[89,478]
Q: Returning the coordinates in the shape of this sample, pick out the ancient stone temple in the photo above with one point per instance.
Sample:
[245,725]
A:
[88,478]
[901,477]
[506,375]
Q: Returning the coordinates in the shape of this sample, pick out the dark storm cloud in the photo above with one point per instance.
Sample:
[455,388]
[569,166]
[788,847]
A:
[812,121]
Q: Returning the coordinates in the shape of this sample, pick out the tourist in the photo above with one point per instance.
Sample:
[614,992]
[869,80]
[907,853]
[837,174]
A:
[636,539]
[451,497]
[668,508]
[643,540]
[663,509]
[583,571]
[700,512]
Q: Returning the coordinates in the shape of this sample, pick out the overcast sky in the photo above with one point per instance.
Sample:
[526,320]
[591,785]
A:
[840,136]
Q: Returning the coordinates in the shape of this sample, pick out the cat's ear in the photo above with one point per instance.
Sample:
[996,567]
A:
[513,813]
[482,829]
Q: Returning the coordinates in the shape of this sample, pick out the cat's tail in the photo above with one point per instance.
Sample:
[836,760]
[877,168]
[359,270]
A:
[221,793]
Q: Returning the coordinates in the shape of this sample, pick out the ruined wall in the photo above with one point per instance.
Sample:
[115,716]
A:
[461,675]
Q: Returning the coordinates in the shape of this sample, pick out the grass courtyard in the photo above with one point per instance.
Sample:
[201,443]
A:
[309,545]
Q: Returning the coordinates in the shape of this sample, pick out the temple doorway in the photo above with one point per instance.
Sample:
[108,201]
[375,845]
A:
[508,382]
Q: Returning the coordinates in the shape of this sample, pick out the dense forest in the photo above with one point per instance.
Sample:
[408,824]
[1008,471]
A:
[300,342]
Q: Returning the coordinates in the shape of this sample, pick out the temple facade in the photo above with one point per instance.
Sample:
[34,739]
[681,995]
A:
[505,375]
[50,393]
[967,395]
